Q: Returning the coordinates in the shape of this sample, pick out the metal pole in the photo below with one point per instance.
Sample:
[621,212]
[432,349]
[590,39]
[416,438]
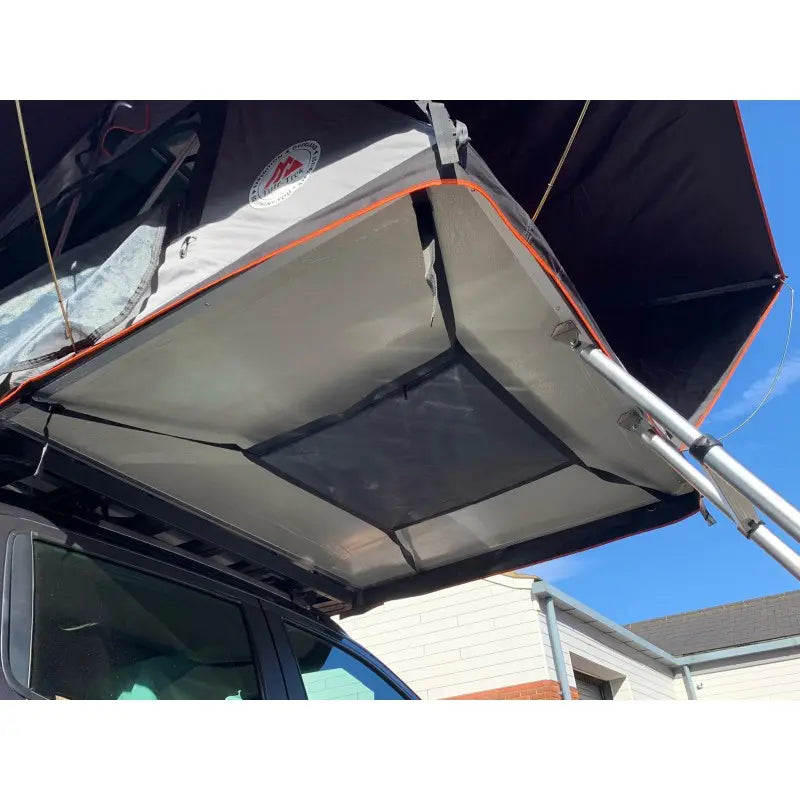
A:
[760,534]
[781,552]
[751,487]
[689,473]
[182,155]
[688,682]
[555,646]
[755,490]
[640,394]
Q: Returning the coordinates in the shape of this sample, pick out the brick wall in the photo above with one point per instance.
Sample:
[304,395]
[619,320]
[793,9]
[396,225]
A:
[537,690]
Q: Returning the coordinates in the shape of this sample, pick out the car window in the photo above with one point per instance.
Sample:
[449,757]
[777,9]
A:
[331,673]
[105,631]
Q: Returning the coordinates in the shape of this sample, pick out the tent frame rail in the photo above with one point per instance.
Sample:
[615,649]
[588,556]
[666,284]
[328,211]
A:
[723,481]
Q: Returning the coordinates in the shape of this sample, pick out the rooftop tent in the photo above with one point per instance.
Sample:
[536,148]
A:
[329,333]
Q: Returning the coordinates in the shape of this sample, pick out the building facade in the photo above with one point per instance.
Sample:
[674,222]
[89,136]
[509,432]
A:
[515,637]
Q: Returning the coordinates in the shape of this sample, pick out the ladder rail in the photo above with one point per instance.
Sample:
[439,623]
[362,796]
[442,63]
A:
[754,529]
[736,491]
[707,450]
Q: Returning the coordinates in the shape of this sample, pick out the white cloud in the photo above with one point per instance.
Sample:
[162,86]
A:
[753,394]
[560,569]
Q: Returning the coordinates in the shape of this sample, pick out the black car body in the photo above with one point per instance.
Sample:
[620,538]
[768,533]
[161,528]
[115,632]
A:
[94,613]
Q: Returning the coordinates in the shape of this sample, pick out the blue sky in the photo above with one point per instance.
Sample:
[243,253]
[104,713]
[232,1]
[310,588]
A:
[690,565]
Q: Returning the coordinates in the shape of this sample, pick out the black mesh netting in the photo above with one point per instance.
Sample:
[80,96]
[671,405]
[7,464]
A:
[417,451]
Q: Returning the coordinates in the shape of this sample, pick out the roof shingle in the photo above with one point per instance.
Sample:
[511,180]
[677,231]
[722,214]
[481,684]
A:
[732,625]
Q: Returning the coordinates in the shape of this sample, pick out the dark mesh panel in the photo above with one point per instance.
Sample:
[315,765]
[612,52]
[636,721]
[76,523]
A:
[417,451]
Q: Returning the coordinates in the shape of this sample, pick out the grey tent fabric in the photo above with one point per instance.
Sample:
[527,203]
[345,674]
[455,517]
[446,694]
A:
[272,179]
[334,319]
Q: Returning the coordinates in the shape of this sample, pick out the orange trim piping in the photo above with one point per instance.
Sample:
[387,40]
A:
[83,354]
[762,319]
[740,355]
[757,187]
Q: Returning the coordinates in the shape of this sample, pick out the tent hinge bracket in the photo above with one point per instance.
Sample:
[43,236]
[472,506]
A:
[567,333]
[631,420]
[451,135]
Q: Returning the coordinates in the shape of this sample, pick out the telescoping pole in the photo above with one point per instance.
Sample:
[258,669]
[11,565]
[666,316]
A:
[707,450]
[754,530]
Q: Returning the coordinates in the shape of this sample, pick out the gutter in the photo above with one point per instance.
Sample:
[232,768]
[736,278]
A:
[542,589]
[688,683]
[745,650]
[555,646]
[678,664]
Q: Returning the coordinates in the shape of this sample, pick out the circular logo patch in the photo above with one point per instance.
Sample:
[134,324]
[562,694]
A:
[285,174]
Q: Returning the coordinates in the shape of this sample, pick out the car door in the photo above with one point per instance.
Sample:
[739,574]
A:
[86,619]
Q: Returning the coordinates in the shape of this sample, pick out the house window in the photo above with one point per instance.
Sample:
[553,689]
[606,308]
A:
[591,688]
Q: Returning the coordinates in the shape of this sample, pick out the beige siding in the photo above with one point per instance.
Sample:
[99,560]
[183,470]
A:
[478,636]
[491,634]
[632,675]
[678,687]
[760,677]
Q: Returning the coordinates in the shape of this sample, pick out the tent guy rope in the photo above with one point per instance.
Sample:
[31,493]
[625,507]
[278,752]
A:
[39,214]
[561,161]
[776,377]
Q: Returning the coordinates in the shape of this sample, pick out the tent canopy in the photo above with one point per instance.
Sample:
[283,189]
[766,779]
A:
[656,218]
[326,347]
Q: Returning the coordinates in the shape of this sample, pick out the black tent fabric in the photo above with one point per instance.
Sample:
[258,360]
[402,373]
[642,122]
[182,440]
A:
[52,128]
[403,444]
[656,218]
